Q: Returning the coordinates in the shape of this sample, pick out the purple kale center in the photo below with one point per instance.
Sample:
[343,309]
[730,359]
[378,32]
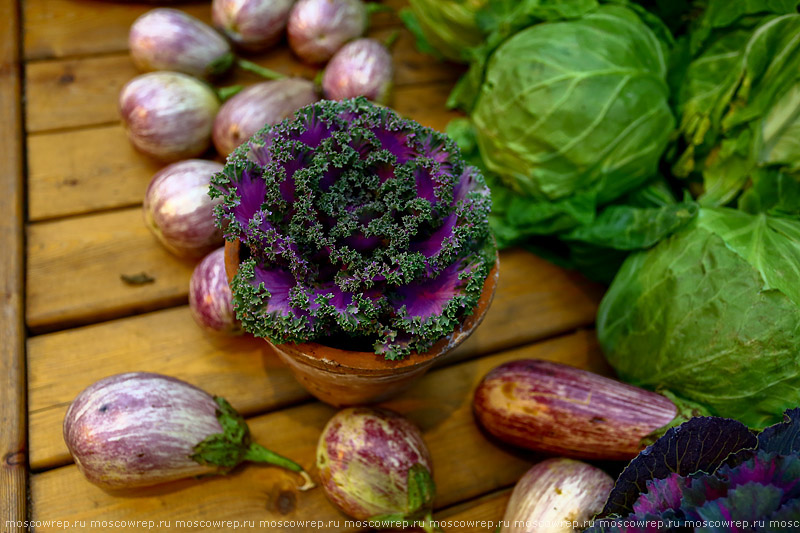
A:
[357,222]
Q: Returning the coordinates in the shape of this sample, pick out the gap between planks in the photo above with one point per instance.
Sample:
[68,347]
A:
[13,420]
[466,463]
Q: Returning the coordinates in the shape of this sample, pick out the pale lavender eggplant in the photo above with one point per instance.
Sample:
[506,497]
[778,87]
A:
[210,298]
[558,409]
[256,106]
[178,210]
[169,39]
[554,495]
[318,28]
[140,429]
[361,68]
[168,115]
[251,24]
[364,456]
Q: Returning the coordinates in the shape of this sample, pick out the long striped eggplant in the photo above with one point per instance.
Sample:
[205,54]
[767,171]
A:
[567,411]
[140,429]
[556,496]
[374,465]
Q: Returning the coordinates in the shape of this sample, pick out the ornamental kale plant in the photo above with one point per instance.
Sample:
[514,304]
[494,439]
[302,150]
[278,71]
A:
[709,472]
[357,223]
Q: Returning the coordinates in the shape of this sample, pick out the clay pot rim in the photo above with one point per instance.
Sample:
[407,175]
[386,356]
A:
[348,361]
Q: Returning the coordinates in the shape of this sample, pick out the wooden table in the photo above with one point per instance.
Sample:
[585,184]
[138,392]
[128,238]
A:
[72,189]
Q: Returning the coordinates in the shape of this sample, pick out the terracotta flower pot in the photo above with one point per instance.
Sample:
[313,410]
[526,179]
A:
[343,378]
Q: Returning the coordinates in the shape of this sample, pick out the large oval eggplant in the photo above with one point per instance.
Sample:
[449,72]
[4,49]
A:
[264,103]
[140,429]
[558,409]
[169,39]
[318,28]
[168,115]
[210,298]
[368,459]
[555,495]
[361,68]
[251,24]
[179,211]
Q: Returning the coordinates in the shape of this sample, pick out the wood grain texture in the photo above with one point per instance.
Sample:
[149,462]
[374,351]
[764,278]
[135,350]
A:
[79,172]
[13,433]
[244,370]
[481,515]
[74,268]
[466,464]
[82,92]
[59,28]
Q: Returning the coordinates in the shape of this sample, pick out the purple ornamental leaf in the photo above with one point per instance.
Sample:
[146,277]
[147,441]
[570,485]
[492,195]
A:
[700,445]
[784,437]
[661,495]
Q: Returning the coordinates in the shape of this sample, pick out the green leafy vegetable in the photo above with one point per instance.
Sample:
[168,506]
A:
[445,28]
[739,103]
[713,315]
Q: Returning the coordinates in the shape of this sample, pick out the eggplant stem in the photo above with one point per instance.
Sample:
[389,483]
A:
[391,39]
[258,454]
[224,93]
[264,72]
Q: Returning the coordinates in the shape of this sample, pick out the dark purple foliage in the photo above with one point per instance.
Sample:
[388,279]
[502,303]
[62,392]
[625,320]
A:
[702,480]
[358,222]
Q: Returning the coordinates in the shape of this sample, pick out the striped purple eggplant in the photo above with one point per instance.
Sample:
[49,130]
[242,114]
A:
[264,103]
[169,39]
[210,298]
[374,465]
[554,496]
[178,210]
[562,410]
[318,28]
[361,68]
[140,429]
[251,24]
[168,115]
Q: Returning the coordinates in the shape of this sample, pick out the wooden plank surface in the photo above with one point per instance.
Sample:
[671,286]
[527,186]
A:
[74,268]
[78,172]
[481,515]
[13,456]
[82,92]
[243,369]
[467,464]
[61,28]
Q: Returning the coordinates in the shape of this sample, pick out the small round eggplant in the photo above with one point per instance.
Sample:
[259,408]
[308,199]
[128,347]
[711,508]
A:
[556,495]
[178,210]
[370,460]
[210,298]
[168,115]
[318,28]
[361,68]
[251,24]
[264,103]
[141,429]
[558,409]
[169,39]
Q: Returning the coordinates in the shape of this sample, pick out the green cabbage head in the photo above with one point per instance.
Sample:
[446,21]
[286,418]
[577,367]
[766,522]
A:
[576,109]
[712,314]
[449,28]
